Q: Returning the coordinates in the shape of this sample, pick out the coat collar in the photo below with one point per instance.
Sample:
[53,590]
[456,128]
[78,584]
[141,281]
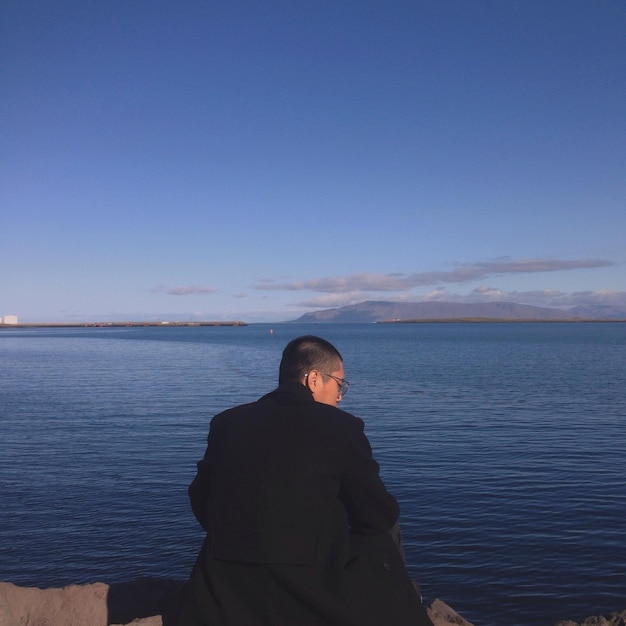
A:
[291,391]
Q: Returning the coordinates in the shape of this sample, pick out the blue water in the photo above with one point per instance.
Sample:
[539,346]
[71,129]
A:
[504,443]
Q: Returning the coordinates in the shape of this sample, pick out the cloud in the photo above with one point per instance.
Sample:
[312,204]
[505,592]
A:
[353,282]
[601,296]
[331,301]
[546,297]
[183,290]
[465,273]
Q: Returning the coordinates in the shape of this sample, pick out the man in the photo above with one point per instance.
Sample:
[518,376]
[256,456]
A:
[297,518]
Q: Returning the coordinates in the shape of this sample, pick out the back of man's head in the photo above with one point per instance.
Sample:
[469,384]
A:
[307,353]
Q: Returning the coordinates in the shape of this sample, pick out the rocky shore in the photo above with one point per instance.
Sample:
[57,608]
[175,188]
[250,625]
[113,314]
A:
[149,602]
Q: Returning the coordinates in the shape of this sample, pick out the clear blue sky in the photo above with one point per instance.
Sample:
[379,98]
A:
[256,160]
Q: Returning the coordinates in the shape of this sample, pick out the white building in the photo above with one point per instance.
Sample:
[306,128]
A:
[8,319]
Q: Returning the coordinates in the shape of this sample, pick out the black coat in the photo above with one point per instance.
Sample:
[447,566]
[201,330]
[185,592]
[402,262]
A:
[297,522]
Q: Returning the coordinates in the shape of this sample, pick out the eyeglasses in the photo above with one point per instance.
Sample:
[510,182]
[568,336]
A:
[342,382]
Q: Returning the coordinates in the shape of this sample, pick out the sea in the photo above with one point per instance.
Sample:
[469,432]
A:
[504,443]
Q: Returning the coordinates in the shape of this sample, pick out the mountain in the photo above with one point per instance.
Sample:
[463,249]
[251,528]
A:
[379,311]
[599,312]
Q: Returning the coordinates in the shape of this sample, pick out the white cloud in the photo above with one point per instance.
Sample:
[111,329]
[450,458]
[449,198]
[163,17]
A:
[546,297]
[331,301]
[183,290]
[404,282]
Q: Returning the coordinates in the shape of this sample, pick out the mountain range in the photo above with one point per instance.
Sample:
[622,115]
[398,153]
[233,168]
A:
[381,311]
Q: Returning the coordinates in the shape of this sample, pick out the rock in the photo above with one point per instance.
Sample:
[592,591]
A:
[442,615]
[140,602]
[614,619]
[76,605]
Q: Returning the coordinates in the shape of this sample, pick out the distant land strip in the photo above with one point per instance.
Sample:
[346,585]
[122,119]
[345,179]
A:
[410,312]
[119,324]
[491,320]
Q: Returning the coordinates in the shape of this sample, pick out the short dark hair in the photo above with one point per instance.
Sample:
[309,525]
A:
[306,353]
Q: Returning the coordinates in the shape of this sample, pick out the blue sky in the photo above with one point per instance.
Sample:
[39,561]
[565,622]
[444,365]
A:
[253,160]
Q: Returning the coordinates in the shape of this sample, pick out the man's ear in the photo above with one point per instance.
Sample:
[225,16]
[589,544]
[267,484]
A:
[311,380]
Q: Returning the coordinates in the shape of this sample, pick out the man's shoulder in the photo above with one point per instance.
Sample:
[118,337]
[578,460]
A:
[336,412]
[338,417]
[233,412]
[303,406]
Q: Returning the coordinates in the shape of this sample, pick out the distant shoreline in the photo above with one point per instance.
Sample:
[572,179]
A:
[451,320]
[118,324]
[482,320]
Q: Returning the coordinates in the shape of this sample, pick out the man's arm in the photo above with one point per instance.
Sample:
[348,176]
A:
[199,492]
[371,508]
